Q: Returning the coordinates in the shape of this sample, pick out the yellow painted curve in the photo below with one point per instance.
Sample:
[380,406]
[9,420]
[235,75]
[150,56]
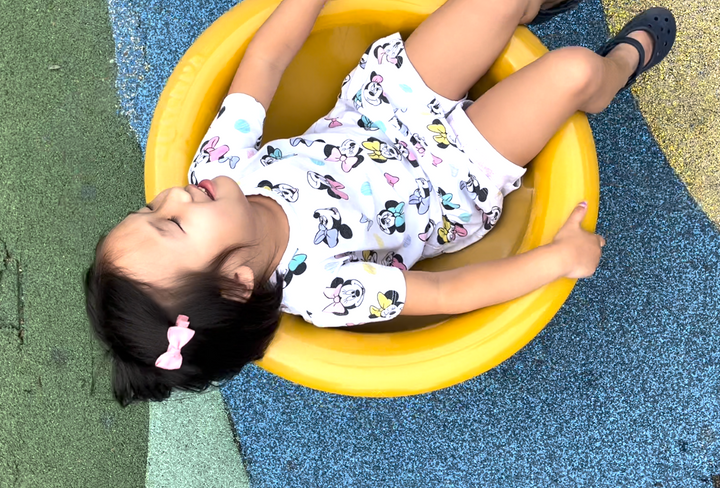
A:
[680,98]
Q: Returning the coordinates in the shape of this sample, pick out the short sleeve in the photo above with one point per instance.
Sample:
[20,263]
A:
[233,138]
[358,293]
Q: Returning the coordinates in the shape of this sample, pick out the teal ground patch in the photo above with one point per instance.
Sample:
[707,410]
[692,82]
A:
[191,444]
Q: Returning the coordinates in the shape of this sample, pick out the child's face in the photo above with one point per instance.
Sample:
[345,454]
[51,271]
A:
[181,231]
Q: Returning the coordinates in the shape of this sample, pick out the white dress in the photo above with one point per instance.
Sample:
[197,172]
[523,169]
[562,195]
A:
[395,173]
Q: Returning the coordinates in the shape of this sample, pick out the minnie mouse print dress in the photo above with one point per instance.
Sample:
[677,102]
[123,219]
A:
[395,173]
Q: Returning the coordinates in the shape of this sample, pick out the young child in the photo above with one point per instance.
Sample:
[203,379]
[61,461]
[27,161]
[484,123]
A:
[327,225]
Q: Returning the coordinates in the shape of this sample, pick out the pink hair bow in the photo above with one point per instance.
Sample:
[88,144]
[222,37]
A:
[178,336]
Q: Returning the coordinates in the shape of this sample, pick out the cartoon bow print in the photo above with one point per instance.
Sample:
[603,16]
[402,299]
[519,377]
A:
[375,153]
[398,213]
[450,231]
[336,187]
[334,294]
[276,154]
[385,309]
[383,54]
[215,154]
[421,201]
[447,201]
[347,162]
[441,135]
[333,122]
[330,236]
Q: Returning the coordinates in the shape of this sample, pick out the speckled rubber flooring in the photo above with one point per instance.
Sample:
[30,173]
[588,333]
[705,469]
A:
[620,389]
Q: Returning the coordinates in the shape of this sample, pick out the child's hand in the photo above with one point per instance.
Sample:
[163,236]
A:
[580,249]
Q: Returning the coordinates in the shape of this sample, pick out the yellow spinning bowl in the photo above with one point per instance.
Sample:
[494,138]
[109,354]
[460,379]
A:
[402,357]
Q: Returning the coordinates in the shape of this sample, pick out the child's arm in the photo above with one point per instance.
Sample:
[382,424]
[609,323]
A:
[273,48]
[574,253]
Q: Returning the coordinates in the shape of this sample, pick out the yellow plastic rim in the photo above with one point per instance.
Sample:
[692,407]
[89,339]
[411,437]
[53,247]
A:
[403,362]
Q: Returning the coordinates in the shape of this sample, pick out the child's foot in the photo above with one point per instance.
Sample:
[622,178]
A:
[642,43]
[628,56]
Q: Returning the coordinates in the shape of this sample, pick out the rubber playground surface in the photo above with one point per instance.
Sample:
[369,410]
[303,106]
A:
[620,389]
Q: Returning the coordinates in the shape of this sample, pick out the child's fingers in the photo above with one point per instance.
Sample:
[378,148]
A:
[601,240]
[578,213]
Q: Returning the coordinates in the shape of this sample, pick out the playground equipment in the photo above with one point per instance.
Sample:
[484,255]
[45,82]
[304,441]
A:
[401,357]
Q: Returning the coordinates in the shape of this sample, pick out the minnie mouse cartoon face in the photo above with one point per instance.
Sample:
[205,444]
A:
[346,154]
[392,218]
[395,260]
[289,193]
[388,305]
[406,152]
[373,92]
[370,256]
[345,295]
[390,52]
[328,183]
[489,218]
[330,228]
[472,186]
[419,142]
[450,231]
[273,155]
[380,151]
[434,106]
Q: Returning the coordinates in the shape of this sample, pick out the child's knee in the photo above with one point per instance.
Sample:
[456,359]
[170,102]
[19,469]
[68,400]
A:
[530,9]
[515,10]
[579,71]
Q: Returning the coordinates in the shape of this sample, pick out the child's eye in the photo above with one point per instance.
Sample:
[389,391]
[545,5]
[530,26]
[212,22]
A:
[177,222]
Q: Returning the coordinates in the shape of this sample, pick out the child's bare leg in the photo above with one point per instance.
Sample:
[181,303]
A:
[463,38]
[519,115]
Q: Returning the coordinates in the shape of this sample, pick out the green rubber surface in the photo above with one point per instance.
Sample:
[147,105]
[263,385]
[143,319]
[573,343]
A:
[191,444]
[70,169]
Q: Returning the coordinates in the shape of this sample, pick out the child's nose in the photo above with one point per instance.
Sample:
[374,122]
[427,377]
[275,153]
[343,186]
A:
[178,194]
[175,196]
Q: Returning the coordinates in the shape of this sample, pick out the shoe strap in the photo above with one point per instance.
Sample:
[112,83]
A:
[634,43]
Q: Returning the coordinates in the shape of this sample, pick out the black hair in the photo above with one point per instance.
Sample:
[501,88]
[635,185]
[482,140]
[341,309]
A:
[229,332]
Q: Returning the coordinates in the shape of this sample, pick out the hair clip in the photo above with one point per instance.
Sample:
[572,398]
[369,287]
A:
[178,335]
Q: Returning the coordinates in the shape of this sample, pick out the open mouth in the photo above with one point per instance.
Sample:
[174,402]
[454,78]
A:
[206,187]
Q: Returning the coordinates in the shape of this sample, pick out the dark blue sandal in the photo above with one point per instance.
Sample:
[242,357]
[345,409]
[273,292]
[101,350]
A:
[547,14]
[660,24]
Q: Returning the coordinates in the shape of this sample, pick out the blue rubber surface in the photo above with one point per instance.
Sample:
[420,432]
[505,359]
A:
[621,388]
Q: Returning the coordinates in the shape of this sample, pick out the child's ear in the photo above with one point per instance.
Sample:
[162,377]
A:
[244,276]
